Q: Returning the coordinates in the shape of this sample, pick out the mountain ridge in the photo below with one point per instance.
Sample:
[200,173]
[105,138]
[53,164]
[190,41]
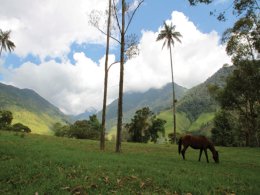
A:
[29,108]
[156,99]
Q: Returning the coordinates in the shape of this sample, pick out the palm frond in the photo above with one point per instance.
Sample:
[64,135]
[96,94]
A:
[160,37]
[10,45]
[169,34]
[5,42]
[164,43]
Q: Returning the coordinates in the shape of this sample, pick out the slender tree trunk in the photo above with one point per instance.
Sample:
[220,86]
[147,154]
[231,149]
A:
[103,130]
[1,50]
[121,83]
[173,101]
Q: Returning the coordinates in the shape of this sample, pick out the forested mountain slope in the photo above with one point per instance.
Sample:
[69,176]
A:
[30,108]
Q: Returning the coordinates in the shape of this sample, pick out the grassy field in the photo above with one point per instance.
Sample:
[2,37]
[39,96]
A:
[51,165]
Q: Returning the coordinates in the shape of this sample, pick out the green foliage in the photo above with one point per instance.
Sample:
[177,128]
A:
[241,96]
[6,118]
[145,126]
[223,132]
[21,128]
[51,165]
[243,39]
[60,130]
[81,129]
[157,126]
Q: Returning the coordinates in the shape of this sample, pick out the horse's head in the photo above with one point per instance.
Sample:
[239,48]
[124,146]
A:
[215,156]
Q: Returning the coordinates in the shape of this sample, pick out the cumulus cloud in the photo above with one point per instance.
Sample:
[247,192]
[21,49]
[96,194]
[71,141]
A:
[76,87]
[195,59]
[49,27]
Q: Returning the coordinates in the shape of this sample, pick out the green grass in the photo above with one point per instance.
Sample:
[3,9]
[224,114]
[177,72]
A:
[51,165]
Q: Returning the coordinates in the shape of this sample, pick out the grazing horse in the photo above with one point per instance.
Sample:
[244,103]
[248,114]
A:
[198,142]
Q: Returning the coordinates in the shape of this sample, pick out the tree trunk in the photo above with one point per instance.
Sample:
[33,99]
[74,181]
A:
[1,50]
[121,83]
[103,130]
[173,101]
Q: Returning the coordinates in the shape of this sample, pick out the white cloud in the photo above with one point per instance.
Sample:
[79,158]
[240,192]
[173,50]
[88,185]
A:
[49,27]
[194,60]
[74,88]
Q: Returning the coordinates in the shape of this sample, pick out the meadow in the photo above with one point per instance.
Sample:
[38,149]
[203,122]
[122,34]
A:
[31,164]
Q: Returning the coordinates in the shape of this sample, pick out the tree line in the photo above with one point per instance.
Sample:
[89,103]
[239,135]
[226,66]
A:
[144,127]
[238,121]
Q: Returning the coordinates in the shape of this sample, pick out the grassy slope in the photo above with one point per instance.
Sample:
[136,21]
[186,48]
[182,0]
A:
[183,123]
[29,108]
[38,123]
[51,165]
[203,119]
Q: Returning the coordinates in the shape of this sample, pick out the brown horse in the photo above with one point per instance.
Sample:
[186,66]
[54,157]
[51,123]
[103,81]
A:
[198,142]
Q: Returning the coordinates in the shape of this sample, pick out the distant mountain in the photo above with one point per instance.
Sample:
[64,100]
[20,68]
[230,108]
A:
[156,99]
[30,108]
[85,115]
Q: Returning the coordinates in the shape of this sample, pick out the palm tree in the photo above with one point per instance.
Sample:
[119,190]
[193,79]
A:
[5,42]
[169,35]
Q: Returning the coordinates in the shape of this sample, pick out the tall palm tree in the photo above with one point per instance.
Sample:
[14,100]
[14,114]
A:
[169,35]
[5,42]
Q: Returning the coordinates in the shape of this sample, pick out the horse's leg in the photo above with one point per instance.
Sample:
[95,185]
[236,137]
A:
[200,153]
[183,152]
[206,154]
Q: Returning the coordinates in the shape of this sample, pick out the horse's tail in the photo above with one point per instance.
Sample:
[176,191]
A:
[180,142]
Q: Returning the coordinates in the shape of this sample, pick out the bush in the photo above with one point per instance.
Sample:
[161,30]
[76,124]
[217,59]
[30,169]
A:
[6,118]
[82,129]
[19,127]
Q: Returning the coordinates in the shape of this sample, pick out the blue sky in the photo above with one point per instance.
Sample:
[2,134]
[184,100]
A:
[61,57]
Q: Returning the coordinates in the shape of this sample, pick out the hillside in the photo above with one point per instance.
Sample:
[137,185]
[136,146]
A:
[196,110]
[156,99]
[198,101]
[29,108]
